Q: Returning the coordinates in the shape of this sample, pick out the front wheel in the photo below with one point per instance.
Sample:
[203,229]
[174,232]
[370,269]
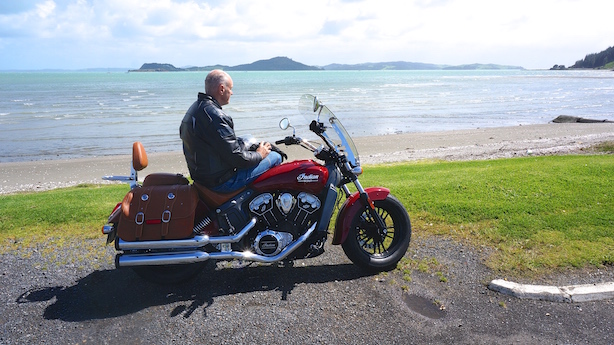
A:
[376,249]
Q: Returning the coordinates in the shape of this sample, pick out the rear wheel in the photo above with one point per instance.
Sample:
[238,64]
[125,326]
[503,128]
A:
[376,249]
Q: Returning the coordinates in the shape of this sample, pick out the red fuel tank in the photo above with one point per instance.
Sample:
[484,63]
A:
[303,175]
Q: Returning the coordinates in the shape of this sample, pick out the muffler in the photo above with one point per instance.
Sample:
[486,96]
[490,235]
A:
[198,255]
[194,242]
[157,259]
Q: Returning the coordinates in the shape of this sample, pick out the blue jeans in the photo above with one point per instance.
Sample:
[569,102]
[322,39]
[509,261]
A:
[243,177]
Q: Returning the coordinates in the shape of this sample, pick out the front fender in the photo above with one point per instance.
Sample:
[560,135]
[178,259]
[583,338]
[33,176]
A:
[350,207]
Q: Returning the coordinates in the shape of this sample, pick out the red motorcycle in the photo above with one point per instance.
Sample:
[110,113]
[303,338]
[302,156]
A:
[166,229]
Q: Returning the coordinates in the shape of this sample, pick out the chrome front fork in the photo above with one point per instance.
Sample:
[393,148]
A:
[366,202]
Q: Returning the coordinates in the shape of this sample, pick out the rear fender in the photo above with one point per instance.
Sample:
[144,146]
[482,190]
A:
[350,207]
[114,216]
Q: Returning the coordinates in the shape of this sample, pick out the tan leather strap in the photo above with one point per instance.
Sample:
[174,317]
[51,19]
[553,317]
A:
[169,202]
[139,218]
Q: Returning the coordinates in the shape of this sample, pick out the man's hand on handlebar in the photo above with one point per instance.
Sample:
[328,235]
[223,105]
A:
[264,149]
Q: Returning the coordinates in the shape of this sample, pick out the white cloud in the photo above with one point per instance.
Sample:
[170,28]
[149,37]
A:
[126,33]
[45,9]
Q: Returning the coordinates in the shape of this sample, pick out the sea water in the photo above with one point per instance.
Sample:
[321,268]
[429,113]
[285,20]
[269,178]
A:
[58,115]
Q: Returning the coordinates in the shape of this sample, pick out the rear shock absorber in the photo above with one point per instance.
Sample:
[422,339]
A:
[201,225]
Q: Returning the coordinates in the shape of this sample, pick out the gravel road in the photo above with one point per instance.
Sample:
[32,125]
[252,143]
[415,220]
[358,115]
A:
[62,297]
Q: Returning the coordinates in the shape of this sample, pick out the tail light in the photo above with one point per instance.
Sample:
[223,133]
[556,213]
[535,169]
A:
[107,229]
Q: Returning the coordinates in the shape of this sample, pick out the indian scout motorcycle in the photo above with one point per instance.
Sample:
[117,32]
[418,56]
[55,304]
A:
[166,229]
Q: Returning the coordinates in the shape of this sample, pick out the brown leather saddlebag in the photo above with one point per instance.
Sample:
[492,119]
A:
[158,212]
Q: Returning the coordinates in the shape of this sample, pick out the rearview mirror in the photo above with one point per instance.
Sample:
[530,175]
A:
[316,104]
[284,123]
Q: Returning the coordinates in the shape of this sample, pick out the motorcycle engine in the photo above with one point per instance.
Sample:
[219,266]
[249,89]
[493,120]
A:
[283,217]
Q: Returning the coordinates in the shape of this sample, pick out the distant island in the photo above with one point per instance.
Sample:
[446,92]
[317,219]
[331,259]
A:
[287,64]
[601,60]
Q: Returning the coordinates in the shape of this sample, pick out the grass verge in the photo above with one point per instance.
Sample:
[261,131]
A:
[535,213]
[58,215]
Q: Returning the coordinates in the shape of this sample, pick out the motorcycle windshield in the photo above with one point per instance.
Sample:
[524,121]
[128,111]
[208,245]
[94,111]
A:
[310,106]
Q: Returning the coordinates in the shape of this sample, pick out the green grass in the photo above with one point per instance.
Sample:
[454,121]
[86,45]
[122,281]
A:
[532,214]
[58,215]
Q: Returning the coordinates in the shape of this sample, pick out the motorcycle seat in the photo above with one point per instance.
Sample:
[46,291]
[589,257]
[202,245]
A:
[164,179]
[214,199]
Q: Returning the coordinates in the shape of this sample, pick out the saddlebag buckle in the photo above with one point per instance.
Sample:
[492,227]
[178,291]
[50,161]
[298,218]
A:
[166,216]
[139,218]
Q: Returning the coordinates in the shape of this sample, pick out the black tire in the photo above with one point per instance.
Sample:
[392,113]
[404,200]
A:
[373,249]
[170,274]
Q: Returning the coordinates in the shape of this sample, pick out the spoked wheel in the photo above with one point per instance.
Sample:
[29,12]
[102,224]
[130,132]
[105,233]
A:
[374,248]
[170,274]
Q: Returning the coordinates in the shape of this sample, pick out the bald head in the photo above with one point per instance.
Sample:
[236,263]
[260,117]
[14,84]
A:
[214,79]
[218,85]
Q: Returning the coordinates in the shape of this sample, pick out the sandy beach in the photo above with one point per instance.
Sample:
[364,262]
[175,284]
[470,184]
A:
[482,143]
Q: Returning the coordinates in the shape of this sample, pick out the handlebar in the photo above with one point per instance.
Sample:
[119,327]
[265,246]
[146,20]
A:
[289,140]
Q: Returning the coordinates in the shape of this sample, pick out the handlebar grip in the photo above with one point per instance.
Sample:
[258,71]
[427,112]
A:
[289,140]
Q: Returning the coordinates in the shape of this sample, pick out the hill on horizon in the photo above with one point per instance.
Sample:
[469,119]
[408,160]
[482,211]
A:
[603,59]
[287,64]
[275,64]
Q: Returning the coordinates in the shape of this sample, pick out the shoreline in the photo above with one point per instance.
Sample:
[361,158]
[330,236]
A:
[471,144]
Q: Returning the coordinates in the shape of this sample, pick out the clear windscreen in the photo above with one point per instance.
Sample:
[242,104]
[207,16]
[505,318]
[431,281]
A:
[311,107]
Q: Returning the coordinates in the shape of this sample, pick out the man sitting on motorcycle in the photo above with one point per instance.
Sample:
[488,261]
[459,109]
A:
[215,156]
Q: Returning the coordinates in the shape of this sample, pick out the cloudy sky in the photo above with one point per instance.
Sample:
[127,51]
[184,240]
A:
[76,34]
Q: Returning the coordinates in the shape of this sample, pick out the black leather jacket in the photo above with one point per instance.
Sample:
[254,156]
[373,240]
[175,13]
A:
[211,149]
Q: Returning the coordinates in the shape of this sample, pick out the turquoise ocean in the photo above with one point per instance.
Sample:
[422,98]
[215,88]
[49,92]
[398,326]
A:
[64,115]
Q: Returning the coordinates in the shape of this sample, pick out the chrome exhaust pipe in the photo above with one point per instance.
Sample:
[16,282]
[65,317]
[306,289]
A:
[194,256]
[194,242]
